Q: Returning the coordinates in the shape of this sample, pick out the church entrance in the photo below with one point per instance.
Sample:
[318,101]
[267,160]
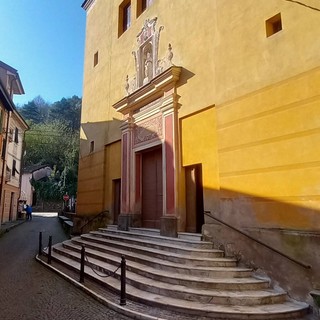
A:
[152,188]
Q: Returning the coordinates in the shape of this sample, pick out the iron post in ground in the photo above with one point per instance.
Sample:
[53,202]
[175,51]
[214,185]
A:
[82,264]
[40,243]
[123,282]
[49,249]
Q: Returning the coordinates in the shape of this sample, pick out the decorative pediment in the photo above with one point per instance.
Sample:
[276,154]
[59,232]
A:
[147,64]
[148,30]
[155,89]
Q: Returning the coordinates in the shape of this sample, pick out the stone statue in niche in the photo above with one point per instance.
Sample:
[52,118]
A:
[146,61]
[148,68]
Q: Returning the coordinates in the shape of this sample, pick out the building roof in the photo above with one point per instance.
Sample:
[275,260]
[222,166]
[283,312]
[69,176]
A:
[5,96]
[17,84]
[5,99]
[34,167]
[7,67]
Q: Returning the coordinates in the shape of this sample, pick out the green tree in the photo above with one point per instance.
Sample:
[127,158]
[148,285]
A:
[35,111]
[68,111]
[52,143]
[53,140]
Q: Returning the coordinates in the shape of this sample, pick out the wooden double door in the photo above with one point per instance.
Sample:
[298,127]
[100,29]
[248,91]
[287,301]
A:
[152,188]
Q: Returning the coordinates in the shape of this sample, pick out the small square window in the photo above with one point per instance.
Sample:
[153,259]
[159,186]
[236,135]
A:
[14,168]
[124,17]
[273,25]
[4,148]
[91,146]
[16,135]
[95,59]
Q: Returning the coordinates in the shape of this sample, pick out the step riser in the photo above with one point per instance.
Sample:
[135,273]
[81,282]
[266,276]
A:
[174,280]
[182,260]
[188,243]
[187,271]
[152,232]
[245,301]
[154,245]
[190,236]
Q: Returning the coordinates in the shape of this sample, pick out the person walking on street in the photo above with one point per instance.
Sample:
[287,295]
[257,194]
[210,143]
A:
[29,212]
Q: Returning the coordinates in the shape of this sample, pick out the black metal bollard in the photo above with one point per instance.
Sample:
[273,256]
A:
[49,249]
[123,282]
[82,264]
[40,243]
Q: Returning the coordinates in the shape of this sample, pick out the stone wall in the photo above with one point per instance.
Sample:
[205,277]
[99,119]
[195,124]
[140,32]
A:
[296,279]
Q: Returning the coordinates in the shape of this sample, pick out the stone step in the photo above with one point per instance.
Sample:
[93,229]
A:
[190,236]
[247,291]
[156,232]
[200,271]
[112,226]
[192,281]
[147,231]
[285,310]
[161,254]
[156,243]
[156,238]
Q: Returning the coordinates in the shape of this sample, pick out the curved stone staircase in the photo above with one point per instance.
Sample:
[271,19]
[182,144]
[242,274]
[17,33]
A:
[182,274]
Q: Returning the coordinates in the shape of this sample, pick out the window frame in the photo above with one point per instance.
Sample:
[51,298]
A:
[3,151]
[16,135]
[125,17]
[95,58]
[91,147]
[274,25]
[143,5]
[14,168]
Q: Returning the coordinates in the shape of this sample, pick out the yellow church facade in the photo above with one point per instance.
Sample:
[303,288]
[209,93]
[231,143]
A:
[201,110]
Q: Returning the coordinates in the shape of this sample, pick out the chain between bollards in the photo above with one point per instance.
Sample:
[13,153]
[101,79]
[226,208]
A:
[82,264]
[40,243]
[49,249]
[122,265]
[123,282]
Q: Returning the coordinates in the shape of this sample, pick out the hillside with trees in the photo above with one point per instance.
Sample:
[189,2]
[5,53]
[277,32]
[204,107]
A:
[53,140]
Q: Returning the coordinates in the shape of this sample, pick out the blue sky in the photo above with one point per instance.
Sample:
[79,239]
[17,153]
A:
[44,41]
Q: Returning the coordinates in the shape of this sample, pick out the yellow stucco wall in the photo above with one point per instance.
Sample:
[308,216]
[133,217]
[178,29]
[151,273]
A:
[258,144]
[91,184]
[199,146]
[246,60]
[112,172]
[97,171]
[268,156]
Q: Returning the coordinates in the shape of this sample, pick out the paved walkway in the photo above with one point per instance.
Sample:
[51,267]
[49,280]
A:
[28,290]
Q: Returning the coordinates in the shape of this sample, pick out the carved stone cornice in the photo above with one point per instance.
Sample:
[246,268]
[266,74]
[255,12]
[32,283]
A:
[149,92]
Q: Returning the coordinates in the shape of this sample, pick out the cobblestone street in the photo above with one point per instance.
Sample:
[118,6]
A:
[29,290]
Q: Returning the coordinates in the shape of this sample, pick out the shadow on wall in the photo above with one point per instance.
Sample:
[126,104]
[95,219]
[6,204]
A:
[99,133]
[293,230]
[91,179]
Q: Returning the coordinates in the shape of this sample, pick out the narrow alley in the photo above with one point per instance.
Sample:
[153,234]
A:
[29,290]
